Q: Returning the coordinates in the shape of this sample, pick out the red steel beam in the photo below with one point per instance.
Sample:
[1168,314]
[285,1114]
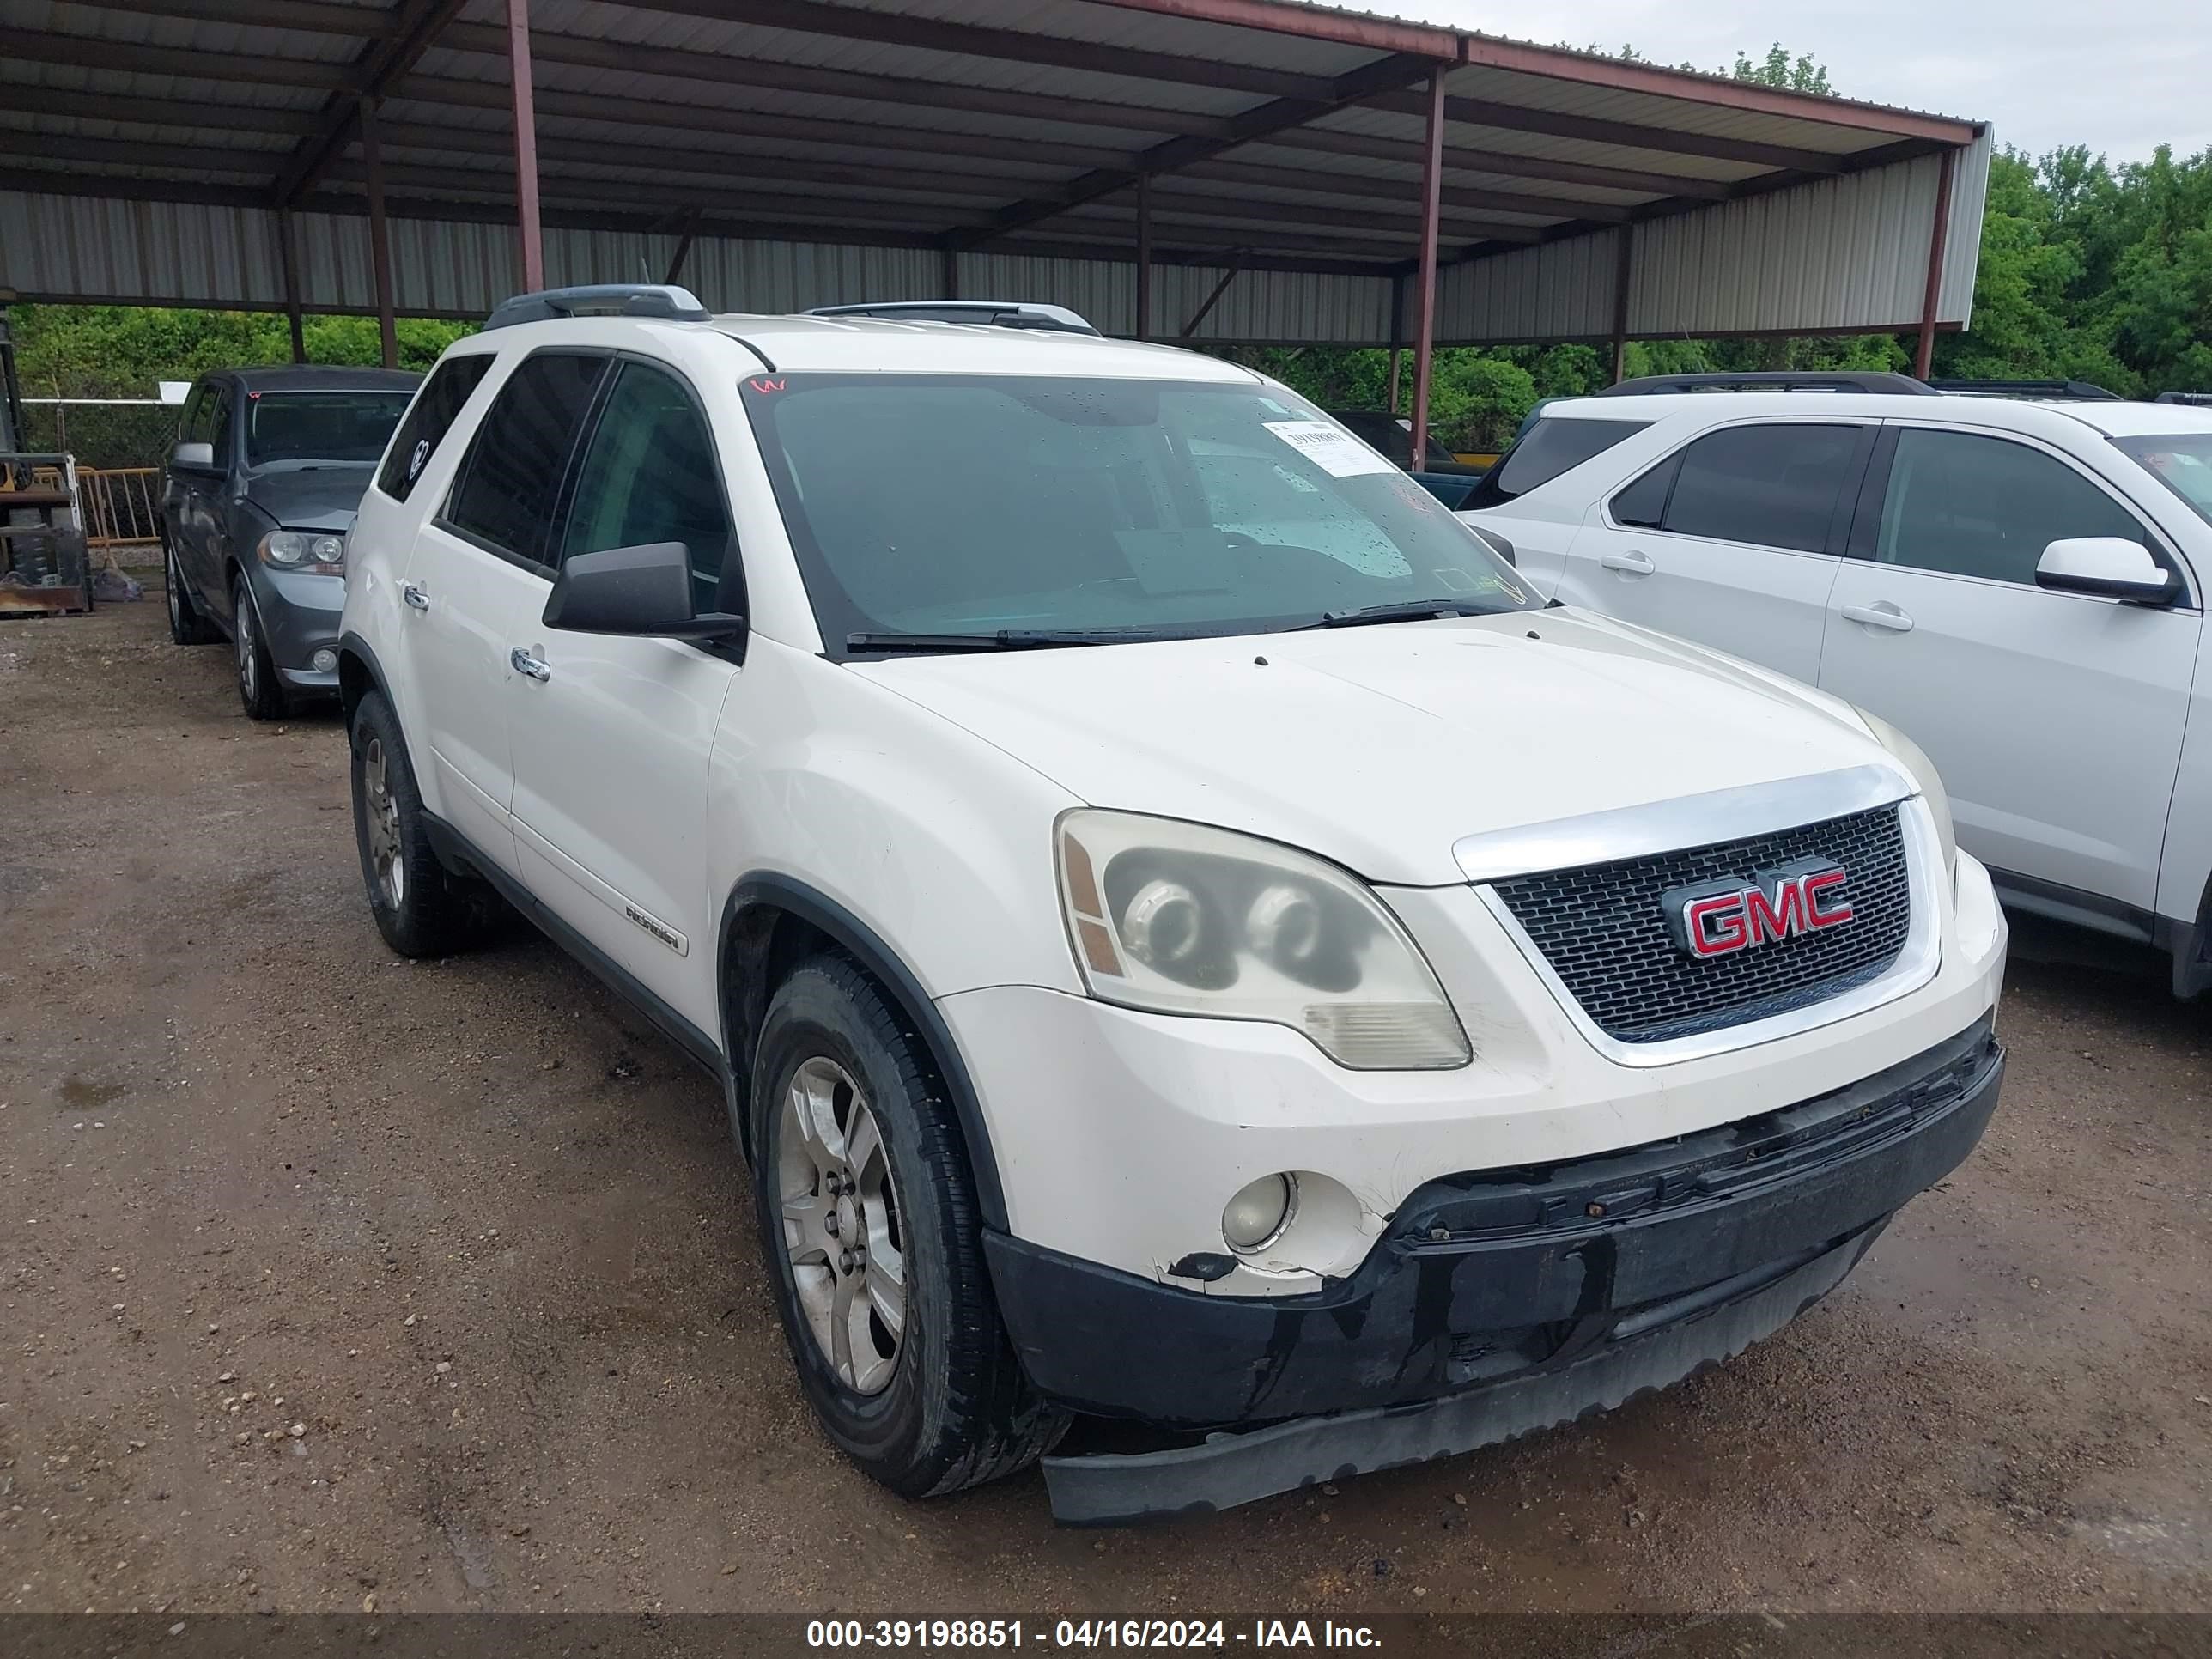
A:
[83,52]
[1252,123]
[379,236]
[531,232]
[1213,294]
[309,17]
[1143,257]
[158,113]
[1311,23]
[1245,209]
[1425,282]
[1923,348]
[1391,192]
[371,75]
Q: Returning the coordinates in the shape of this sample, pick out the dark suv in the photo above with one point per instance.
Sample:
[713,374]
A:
[258,495]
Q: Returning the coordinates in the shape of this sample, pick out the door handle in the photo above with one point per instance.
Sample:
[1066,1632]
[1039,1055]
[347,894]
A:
[1883,615]
[419,598]
[1631,564]
[529,667]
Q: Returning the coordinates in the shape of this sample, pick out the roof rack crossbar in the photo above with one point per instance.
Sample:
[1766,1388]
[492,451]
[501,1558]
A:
[2198,399]
[599,299]
[1771,379]
[2080,390]
[989,313]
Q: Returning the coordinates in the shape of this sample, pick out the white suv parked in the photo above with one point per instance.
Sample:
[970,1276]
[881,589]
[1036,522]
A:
[2018,584]
[1184,935]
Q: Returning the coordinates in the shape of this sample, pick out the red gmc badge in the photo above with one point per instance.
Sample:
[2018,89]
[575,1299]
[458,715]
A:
[1721,917]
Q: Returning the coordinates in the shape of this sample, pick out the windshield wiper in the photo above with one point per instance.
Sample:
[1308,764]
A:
[1006,639]
[1399,610]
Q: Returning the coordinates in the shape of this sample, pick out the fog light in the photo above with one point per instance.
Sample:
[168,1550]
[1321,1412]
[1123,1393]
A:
[325,660]
[1258,1214]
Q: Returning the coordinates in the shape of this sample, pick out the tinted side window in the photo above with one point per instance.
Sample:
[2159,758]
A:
[1983,507]
[1544,451]
[426,422]
[1773,486]
[1643,503]
[651,474]
[512,472]
[218,419]
[192,426]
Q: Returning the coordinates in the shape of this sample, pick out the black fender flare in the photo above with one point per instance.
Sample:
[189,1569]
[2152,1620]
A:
[768,890]
[350,644]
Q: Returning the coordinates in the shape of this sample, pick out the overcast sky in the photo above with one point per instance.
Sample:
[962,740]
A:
[2119,78]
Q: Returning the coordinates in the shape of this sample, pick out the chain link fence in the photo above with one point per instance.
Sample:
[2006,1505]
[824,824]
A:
[133,433]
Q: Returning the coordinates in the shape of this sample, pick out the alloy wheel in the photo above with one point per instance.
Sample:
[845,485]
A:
[843,1228]
[249,672]
[383,816]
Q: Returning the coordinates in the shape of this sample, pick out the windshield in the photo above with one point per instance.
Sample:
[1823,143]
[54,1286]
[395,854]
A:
[970,505]
[1391,434]
[347,427]
[2183,463]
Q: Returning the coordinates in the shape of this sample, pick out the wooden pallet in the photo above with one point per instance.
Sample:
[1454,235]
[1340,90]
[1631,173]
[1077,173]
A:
[43,601]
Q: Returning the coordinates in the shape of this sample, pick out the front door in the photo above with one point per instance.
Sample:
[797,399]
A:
[1732,541]
[612,745]
[2055,719]
[476,583]
[196,507]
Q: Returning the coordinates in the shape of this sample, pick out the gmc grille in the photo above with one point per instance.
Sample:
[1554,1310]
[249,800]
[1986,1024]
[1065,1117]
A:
[1602,930]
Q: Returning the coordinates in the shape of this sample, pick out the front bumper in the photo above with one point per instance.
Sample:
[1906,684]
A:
[300,611]
[1492,1278]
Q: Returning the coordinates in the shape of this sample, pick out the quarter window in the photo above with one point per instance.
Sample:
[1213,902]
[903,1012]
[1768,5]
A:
[1975,506]
[431,416]
[1772,486]
[1553,445]
[512,475]
[651,474]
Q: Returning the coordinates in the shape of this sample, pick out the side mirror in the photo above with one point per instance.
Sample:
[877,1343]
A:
[2106,567]
[1490,538]
[635,590]
[193,457]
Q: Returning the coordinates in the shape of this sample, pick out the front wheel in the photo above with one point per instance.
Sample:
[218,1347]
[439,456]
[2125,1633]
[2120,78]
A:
[868,1219]
[258,688]
[421,908]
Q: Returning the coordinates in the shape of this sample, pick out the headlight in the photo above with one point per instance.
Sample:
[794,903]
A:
[302,549]
[1181,919]
[1924,773]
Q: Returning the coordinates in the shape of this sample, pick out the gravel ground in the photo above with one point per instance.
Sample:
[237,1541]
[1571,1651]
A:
[329,1281]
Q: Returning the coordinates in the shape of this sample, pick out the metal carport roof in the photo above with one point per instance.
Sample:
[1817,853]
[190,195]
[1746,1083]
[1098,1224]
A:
[1273,159]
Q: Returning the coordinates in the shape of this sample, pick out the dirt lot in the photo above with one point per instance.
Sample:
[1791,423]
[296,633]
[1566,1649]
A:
[325,1277]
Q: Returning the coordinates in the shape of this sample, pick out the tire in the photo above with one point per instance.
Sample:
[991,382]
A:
[421,908]
[947,1406]
[258,689]
[186,625]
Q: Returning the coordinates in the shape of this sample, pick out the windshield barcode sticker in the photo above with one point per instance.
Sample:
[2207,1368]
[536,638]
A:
[1331,448]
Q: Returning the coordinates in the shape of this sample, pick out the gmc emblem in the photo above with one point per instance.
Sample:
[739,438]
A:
[1719,918]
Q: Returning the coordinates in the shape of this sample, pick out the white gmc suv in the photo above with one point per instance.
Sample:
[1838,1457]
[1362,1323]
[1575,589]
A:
[1184,934]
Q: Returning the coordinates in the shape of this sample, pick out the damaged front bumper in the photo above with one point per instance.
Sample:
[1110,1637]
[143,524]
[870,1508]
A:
[1497,1304]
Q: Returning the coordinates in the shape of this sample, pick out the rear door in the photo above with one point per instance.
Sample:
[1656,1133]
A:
[2055,719]
[1734,540]
[198,507]
[612,745]
[477,581]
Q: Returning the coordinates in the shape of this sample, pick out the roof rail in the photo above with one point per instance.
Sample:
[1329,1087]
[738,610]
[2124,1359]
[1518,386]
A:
[1770,380]
[989,313]
[2197,400]
[599,299]
[2078,391]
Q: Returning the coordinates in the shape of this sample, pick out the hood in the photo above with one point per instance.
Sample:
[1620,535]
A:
[311,498]
[1379,747]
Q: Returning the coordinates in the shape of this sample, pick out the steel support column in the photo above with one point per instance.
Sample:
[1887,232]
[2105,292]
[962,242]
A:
[1432,172]
[287,252]
[1923,348]
[525,147]
[1143,329]
[1622,272]
[1397,337]
[379,232]
[948,271]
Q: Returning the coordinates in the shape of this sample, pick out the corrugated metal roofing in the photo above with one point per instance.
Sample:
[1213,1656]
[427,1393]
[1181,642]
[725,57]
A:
[816,145]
